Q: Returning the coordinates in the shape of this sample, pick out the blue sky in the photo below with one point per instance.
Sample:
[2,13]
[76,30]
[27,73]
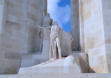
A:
[64,3]
[60,11]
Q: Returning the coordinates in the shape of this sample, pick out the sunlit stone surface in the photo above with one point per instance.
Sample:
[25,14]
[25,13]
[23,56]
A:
[19,31]
[94,38]
[25,38]
[76,63]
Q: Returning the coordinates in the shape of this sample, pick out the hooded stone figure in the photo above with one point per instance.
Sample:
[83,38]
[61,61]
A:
[55,43]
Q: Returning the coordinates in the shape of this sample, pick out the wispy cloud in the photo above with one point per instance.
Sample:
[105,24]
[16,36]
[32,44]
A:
[58,13]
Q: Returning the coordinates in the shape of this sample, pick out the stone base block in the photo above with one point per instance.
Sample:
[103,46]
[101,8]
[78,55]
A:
[82,58]
[57,75]
[77,63]
[10,63]
[32,59]
[9,66]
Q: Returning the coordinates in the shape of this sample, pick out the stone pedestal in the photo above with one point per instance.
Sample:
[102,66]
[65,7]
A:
[46,42]
[66,43]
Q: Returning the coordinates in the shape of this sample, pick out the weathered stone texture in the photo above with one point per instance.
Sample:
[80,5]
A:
[66,43]
[76,63]
[57,75]
[23,18]
[75,24]
[46,42]
[19,30]
[94,39]
[107,28]
[20,33]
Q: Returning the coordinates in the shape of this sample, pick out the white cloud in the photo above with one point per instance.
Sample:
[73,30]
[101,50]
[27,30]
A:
[60,14]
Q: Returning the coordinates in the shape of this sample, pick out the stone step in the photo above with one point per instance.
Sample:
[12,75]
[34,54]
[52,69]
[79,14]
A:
[32,59]
[76,63]
[57,75]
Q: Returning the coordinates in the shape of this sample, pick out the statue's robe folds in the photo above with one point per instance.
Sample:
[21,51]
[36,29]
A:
[55,43]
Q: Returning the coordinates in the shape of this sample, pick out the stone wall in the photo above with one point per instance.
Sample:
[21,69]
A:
[107,29]
[75,31]
[19,31]
[57,75]
[23,17]
[92,27]
[92,31]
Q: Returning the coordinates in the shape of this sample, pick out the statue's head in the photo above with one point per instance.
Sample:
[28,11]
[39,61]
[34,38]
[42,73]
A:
[56,23]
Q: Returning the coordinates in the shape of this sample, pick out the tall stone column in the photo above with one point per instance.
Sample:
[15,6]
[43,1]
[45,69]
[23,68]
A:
[75,24]
[45,7]
[92,34]
[107,27]
[2,20]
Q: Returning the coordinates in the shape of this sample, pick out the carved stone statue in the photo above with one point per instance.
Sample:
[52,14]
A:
[55,43]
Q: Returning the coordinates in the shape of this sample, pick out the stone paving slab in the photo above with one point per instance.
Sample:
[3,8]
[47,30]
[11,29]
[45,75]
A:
[57,75]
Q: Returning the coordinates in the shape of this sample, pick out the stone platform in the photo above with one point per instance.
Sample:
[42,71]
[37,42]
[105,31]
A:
[32,59]
[57,75]
[54,68]
[77,62]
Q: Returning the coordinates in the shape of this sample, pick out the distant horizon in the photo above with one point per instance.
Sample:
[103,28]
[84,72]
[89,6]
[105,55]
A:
[59,11]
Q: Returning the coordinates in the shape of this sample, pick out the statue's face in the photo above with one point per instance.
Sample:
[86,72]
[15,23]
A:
[56,23]
[57,26]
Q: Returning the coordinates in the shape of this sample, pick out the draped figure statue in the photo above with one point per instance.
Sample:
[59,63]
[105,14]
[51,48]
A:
[55,43]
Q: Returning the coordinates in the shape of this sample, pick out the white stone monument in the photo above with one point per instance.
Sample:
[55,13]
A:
[55,43]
